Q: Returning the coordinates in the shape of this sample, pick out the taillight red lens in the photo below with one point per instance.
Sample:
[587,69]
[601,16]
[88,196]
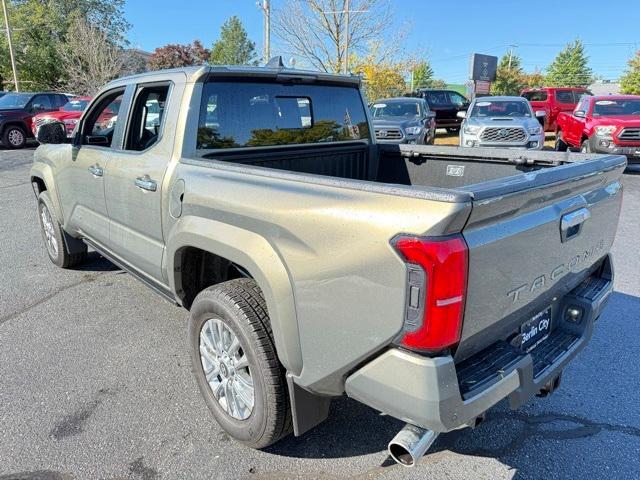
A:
[444,262]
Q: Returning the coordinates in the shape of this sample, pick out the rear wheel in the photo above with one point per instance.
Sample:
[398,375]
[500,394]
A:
[14,137]
[56,239]
[560,145]
[235,363]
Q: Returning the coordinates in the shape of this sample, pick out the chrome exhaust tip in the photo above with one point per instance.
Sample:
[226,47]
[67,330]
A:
[410,444]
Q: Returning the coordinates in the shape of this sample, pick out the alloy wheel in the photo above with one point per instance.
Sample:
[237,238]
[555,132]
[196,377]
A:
[49,231]
[226,369]
[15,137]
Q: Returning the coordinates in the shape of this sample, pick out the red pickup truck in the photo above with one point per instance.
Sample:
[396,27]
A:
[604,124]
[553,100]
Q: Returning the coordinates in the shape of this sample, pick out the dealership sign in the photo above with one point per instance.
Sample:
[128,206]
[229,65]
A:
[483,67]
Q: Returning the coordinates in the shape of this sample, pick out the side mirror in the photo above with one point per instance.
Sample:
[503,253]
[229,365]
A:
[541,113]
[462,114]
[53,133]
[579,113]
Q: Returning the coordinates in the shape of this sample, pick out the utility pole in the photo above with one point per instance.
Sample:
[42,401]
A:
[346,37]
[266,11]
[9,41]
[511,47]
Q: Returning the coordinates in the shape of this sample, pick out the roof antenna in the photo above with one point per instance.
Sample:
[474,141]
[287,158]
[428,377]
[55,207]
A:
[275,62]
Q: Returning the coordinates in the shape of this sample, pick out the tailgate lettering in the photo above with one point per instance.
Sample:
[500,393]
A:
[541,280]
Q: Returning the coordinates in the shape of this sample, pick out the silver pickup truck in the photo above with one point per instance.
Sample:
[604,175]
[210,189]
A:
[426,282]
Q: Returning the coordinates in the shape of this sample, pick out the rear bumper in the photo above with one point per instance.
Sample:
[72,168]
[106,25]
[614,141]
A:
[439,395]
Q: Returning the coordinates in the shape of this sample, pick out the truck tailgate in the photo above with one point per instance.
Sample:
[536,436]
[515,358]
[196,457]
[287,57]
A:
[532,237]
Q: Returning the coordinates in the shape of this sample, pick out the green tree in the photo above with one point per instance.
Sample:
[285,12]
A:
[509,76]
[534,80]
[422,75]
[40,33]
[233,47]
[570,68]
[630,81]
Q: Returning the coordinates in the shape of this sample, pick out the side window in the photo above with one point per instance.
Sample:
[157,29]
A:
[564,96]
[61,100]
[147,117]
[457,99]
[100,121]
[41,102]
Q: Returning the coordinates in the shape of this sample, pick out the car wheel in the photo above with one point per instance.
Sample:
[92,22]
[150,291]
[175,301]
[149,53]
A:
[235,363]
[560,145]
[55,239]
[14,137]
[585,147]
[453,130]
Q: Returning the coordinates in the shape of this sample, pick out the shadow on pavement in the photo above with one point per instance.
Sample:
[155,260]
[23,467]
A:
[511,437]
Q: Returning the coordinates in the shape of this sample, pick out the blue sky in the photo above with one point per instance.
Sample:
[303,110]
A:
[447,32]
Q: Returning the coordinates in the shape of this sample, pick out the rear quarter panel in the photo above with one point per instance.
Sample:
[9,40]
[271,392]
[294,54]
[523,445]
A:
[346,282]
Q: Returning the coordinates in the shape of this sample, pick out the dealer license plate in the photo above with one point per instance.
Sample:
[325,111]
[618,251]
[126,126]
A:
[536,330]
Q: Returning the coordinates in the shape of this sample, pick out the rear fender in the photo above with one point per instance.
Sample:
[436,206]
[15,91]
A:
[254,254]
[43,172]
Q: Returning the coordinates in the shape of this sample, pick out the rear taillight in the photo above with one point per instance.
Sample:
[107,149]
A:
[437,285]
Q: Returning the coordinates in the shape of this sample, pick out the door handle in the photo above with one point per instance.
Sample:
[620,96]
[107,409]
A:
[571,223]
[96,171]
[146,183]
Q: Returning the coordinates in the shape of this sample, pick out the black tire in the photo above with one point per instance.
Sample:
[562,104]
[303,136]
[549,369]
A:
[14,137]
[453,130]
[585,147]
[63,256]
[240,305]
[560,145]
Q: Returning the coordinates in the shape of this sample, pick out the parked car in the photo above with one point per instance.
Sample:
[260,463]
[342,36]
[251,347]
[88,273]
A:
[17,110]
[315,262]
[602,124]
[68,114]
[553,100]
[446,104]
[403,120]
[501,122]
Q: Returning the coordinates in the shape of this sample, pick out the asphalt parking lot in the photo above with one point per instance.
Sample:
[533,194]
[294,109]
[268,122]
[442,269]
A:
[95,383]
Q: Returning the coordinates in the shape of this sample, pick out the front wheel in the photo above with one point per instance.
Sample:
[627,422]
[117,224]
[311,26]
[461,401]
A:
[14,137]
[55,239]
[235,363]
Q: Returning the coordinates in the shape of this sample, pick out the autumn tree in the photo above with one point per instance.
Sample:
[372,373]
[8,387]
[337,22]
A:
[509,76]
[177,55]
[570,68]
[381,78]
[630,81]
[535,79]
[233,47]
[316,30]
[89,57]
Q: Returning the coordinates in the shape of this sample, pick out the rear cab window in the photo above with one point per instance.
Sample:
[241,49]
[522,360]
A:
[565,96]
[261,114]
[536,96]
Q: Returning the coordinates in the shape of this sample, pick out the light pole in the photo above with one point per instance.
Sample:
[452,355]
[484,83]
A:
[266,11]
[9,41]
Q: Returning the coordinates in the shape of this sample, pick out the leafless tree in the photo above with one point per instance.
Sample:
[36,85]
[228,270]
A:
[90,58]
[316,30]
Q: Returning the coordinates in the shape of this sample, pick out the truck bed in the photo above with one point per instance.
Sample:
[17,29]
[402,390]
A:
[510,206]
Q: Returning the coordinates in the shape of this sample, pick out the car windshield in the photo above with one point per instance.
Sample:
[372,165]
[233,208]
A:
[15,100]
[612,107]
[75,106]
[395,109]
[501,108]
